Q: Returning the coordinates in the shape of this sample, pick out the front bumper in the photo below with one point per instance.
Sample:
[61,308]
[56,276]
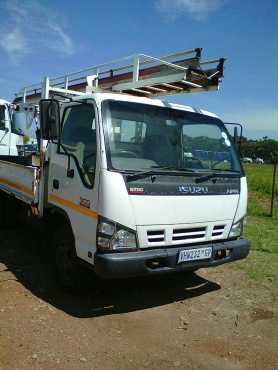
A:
[164,260]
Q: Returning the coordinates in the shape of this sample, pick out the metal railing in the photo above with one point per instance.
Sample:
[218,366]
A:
[118,66]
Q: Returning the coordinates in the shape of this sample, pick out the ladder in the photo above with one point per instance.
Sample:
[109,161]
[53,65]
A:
[139,75]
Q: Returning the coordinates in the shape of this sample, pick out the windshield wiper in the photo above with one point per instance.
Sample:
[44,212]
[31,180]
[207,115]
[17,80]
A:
[171,168]
[151,173]
[174,171]
[140,175]
[216,175]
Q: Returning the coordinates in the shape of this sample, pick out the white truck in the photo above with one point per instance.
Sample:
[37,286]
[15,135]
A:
[127,183]
[10,136]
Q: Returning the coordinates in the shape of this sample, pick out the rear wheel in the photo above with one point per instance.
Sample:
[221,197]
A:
[8,211]
[2,210]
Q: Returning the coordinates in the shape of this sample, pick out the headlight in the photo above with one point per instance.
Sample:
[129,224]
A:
[112,236]
[106,228]
[236,229]
[123,239]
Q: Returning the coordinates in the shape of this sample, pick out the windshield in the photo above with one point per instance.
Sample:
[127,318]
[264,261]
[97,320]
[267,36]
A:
[143,137]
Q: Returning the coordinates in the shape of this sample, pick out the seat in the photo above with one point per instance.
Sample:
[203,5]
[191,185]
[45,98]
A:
[159,149]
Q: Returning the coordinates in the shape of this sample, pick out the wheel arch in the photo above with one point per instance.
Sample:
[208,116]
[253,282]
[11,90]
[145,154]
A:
[58,218]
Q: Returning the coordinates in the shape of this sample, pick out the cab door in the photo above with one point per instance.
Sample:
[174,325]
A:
[4,131]
[74,174]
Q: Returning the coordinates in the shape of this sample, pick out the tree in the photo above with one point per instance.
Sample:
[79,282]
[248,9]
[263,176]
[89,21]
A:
[262,148]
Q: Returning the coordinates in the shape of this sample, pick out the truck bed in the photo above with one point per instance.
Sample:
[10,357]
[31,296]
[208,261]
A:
[19,180]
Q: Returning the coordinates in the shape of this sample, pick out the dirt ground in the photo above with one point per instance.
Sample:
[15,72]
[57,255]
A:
[213,319]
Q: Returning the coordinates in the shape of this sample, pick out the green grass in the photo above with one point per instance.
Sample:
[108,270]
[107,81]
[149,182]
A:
[260,178]
[261,229]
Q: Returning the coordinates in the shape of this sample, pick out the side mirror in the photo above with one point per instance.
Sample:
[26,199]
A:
[18,131]
[7,130]
[2,117]
[50,119]
[237,133]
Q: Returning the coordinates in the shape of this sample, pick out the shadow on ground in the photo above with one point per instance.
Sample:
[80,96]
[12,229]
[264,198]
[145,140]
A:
[27,262]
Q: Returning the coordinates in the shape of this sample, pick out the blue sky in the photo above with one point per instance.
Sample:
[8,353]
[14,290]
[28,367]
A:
[39,38]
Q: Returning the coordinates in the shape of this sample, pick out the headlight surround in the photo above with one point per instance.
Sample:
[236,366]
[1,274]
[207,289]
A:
[112,236]
[236,229]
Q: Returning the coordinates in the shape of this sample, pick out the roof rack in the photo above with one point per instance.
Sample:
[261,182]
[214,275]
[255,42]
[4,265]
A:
[139,74]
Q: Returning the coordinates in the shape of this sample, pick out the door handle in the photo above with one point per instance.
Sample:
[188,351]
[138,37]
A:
[56,184]
[70,173]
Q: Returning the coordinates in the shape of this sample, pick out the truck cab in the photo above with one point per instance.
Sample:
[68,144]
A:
[149,187]
[9,137]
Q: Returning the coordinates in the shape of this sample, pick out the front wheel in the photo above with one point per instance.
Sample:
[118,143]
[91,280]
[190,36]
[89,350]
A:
[68,268]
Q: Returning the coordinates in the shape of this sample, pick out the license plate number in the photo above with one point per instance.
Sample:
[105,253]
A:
[194,254]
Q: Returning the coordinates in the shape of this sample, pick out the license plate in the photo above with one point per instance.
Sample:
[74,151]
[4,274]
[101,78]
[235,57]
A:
[195,254]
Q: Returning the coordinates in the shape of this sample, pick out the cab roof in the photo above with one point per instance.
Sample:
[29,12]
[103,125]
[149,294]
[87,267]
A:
[99,97]
[2,102]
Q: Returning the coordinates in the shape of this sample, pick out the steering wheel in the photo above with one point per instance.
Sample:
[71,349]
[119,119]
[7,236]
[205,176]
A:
[194,160]
[127,153]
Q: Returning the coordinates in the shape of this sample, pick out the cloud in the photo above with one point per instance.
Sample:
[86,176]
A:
[63,43]
[13,42]
[31,27]
[197,9]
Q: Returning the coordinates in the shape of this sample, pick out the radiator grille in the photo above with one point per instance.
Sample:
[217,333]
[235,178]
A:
[218,230]
[156,236]
[169,236]
[189,233]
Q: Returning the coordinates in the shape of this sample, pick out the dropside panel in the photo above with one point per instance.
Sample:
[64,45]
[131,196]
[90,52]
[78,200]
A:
[20,181]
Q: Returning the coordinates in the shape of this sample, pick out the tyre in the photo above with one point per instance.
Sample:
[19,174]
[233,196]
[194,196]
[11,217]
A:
[2,210]
[68,268]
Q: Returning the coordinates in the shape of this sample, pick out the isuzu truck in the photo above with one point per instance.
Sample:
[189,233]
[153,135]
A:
[127,183]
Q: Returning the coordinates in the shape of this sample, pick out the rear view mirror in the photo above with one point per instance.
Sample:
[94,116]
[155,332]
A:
[50,119]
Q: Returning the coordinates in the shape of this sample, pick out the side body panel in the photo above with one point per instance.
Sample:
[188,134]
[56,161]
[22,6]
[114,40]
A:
[19,180]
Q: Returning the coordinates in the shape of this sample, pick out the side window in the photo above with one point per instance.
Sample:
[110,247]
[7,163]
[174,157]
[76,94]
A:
[79,139]
[2,117]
